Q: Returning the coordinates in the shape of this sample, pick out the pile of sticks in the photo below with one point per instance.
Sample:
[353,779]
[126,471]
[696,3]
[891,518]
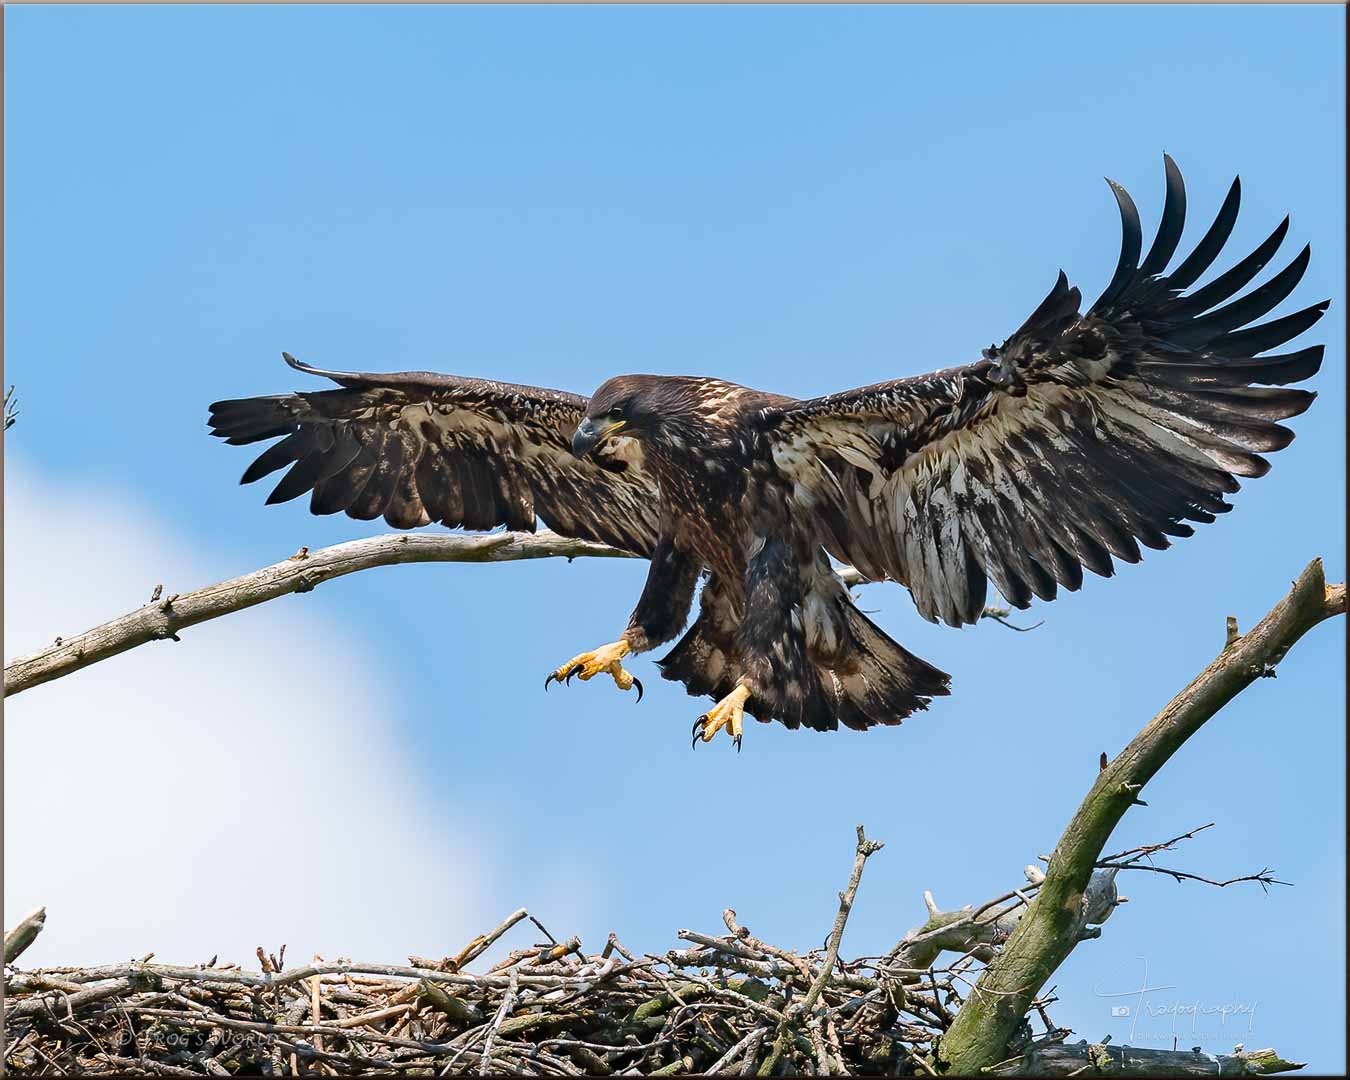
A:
[549,1010]
[726,1003]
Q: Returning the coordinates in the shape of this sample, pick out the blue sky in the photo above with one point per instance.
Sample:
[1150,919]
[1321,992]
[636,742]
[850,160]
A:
[799,198]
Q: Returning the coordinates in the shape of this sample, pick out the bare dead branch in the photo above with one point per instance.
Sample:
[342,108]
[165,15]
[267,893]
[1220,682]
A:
[1124,858]
[24,934]
[1131,860]
[866,849]
[473,949]
[161,620]
[302,572]
[1263,877]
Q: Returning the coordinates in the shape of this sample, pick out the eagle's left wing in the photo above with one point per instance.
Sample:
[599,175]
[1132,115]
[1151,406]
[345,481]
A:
[1078,439]
[416,447]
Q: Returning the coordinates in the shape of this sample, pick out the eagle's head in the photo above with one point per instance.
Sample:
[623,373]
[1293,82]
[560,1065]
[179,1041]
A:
[639,406]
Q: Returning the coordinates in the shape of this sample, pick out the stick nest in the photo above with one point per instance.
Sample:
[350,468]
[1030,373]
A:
[728,1003]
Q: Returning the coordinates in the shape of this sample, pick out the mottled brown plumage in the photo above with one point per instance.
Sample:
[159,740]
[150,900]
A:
[1077,440]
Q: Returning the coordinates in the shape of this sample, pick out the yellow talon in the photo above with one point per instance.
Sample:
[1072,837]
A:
[605,659]
[728,713]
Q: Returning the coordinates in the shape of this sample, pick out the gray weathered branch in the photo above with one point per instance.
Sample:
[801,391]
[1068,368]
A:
[980,931]
[161,620]
[1048,932]
[865,850]
[24,934]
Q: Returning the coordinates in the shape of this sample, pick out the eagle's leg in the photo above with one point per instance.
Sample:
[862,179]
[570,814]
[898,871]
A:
[661,611]
[729,713]
[604,660]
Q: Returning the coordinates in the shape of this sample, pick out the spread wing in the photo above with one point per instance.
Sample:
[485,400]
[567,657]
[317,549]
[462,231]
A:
[417,447]
[1077,440]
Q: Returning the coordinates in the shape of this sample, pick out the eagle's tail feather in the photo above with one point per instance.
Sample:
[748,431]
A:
[871,679]
[874,679]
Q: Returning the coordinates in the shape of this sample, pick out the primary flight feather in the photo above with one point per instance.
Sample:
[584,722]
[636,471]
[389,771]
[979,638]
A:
[1080,438]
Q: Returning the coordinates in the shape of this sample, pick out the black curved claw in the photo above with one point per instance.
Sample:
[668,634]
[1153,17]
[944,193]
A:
[564,678]
[698,731]
[638,683]
[737,741]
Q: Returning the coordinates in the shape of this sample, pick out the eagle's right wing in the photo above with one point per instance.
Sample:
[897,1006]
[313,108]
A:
[1079,438]
[417,447]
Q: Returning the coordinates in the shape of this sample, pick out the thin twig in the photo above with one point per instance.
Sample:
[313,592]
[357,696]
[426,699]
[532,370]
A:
[508,1002]
[866,849]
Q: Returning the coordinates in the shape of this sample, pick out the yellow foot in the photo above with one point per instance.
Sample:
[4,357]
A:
[602,660]
[728,713]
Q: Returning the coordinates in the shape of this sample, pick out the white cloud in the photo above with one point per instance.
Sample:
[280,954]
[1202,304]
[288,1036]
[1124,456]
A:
[233,790]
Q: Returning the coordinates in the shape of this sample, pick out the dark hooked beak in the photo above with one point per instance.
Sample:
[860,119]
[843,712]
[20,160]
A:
[589,435]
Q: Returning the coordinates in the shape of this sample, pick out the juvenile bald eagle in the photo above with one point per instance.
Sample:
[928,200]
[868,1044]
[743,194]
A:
[1077,440]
